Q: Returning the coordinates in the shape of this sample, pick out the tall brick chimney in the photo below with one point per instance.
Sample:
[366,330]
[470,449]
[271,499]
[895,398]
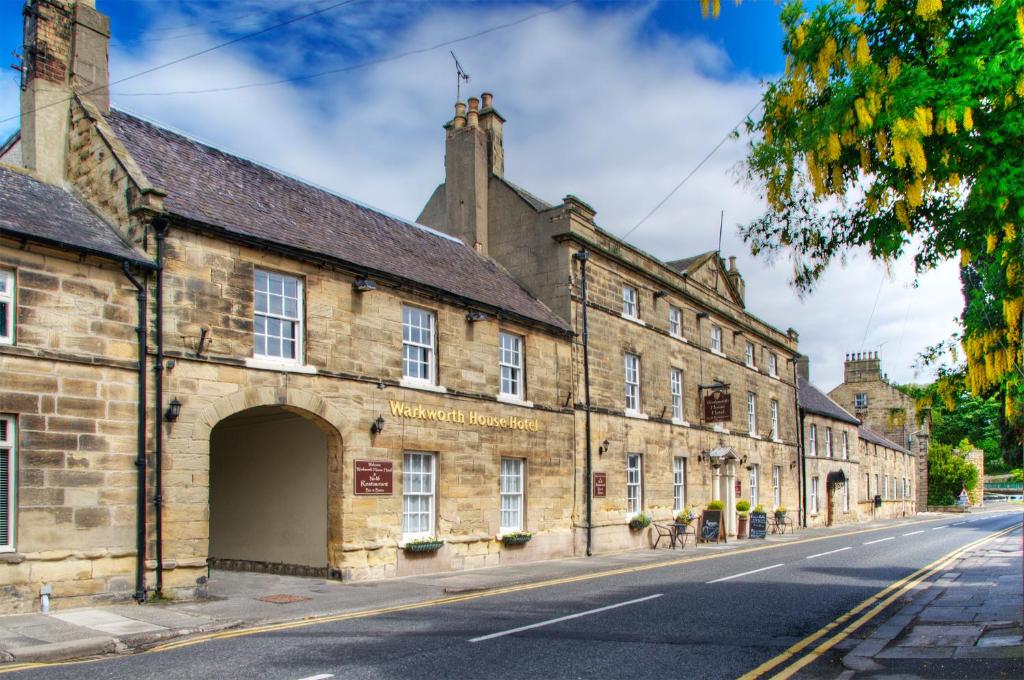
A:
[473,152]
[66,50]
[862,367]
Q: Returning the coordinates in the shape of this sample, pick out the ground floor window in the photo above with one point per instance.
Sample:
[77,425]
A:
[511,487]
[885,487]
[678,483]
[418,484]
[777,485]
[7,483]
[846,497]
[867,486]
[634,484]
[814,495]
[755,472]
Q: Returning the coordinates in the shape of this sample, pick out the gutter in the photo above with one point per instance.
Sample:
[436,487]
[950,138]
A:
[801,473]
[582,256]
[140,458]
[161,225]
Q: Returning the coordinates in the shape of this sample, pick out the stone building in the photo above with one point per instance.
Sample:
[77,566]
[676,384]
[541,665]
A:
[321,383]
[867,393]
[661,336]
[846,464]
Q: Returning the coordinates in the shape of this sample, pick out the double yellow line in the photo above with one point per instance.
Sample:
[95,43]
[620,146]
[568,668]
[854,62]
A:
[881,600]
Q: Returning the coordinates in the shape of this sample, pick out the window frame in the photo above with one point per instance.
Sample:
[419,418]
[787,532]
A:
[812,441]
[859,403]
[828,442]
[431,361]
[9,444]
[776,486]
[748,354]
[299,320]
[627,302]
[752,414]
[845,439]
[846,497]
[432,495]
[518,370]
[814,496]
[634,500]
[678,483]
[8,296]
[675,318]
[519,495]
[773,364]
[717,339]
[775,419]
[635,409]
[675,381]
[755,491]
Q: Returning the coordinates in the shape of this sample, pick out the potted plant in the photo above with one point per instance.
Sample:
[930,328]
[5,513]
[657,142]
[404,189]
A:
[640,521]
[686,516]
[716,505]
[742,508]
[423,545]
[780,513]
[516,537]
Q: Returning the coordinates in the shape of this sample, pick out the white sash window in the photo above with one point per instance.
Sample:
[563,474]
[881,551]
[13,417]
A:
[8,479]
[418,500]
[510,484]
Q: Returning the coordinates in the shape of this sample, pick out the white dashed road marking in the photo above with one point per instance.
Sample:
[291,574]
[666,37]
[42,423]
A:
[914,532]
[563,618]
[830,552]
[888,538]
[746,573]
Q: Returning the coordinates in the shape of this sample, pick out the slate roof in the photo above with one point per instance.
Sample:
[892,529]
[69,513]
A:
[867,433]
[214,188]
[538,204]
[813,400]
[683,264]
[50,214]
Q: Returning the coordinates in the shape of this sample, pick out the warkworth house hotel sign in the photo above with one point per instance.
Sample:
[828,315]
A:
[401,409]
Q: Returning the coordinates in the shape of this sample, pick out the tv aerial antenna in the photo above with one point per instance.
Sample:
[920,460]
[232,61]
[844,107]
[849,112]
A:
[460,77]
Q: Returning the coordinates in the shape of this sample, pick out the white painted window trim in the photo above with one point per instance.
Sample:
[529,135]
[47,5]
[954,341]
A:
[431,379]
[268,364]
[505,399]
[846,445]
[776,486]
[675,383]
[812,441]
[432,514]
[846,497]
[413,384]
[755,491]
[814,496]
[775,419]
[828,443]
[638,485]
[633,395]
[678,483]
[773,364]
[716,334]
[520,495]
[676,312]
[299,321]
[519,370]
[630,301]
[7,296]
[752,415]
[748,355]
[10,444]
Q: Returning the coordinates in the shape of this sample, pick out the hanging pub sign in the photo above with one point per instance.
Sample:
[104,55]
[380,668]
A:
[600,484]
[373,477]
[717,405]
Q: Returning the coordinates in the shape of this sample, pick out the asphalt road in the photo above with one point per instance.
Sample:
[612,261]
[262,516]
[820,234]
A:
[714,618]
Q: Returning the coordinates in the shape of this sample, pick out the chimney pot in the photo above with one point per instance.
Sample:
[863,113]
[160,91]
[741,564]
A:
[473,117]
[474,104]
[732,263]
[487,98]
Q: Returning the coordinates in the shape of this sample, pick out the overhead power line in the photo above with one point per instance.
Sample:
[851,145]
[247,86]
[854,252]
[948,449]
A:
[193,55]
[353,67]
[694,171]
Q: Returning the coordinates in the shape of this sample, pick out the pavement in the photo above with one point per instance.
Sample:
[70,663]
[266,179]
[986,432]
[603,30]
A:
[243,600]
[965,623]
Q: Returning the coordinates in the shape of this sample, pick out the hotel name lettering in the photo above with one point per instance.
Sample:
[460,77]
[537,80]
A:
[400,409]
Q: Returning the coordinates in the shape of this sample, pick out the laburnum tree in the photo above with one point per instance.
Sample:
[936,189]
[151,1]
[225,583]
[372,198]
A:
[898,127]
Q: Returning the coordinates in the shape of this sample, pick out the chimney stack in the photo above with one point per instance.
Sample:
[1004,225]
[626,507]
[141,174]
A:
[862,367]
[67,45]
[736,279]
[803,367]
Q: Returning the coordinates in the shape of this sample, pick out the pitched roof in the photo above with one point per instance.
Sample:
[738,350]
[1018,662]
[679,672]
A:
[870,435]
[46,213]
[211,187]
[684,264]
[813,400]
[538,204]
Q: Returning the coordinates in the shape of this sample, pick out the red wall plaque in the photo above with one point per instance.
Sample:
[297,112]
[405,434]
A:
[374,477]
[600,484]
[717,406]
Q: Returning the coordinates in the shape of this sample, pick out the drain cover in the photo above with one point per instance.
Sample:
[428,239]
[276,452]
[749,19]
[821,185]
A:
[282,599]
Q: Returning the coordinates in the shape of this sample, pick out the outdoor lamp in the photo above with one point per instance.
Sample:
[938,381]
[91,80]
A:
[173,410]
[378,425]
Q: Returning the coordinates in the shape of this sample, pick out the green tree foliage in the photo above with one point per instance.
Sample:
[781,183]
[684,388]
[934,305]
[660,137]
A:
[948,473]
[897,128]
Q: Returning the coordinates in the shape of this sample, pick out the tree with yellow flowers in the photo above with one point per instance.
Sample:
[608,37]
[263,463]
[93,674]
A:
[898,127]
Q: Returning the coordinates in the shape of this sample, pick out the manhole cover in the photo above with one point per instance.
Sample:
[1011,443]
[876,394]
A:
[282,599]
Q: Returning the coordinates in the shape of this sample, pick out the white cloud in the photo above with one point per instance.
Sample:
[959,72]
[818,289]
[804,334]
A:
[596,106]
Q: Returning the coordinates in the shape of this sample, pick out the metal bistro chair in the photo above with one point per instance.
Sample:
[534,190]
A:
[779,525]
[684,530]
[665,531]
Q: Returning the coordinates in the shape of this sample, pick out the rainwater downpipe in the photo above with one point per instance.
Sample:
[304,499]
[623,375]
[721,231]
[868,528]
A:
[140,459]
[582,256]
[161,225]
[801,473]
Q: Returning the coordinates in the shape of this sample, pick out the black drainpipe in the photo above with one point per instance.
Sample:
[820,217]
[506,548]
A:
[140,459]
[801,474]
[160,224]
[583,256]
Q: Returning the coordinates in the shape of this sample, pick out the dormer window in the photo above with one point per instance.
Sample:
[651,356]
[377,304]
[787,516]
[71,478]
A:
[630,302]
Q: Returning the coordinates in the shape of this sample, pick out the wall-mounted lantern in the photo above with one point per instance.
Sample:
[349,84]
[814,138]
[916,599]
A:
[378,425]
[173,410]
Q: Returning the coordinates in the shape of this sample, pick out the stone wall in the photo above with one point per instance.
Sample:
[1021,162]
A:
[820,463]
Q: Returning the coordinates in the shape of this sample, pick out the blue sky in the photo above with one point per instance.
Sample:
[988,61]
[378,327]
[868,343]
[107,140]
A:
[613,102]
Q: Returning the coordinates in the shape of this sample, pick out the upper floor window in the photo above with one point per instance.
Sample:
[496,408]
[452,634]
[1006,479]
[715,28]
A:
[775,419]
[812,441]
[748,354]
[511,361]
[6,307]
[828,442]
[846,445]
[277,326]
[419,352]
[675,321]
[630,302]
[773,364]
[632,365]
[676,384]
[860,400]
[751,413]
[8,502]
[716,338]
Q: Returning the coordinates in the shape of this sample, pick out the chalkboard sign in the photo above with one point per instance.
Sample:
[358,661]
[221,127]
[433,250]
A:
[758,525]
[711,526]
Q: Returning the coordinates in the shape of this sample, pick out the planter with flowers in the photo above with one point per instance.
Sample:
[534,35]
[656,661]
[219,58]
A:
[423,545]
[516,537]
[640,521]
[742,508]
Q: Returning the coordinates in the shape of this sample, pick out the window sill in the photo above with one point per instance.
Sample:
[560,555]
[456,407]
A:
[514,401]
[634,319]
[773,375]
[284,367]
[753,435]
[718,352]
[637,415]
[426,387]
[680,422]
[753,368]
[776,440]
[411,538]
[680,338]
[720,428]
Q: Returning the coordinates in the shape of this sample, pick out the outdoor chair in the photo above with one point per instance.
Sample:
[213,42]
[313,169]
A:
[665,531]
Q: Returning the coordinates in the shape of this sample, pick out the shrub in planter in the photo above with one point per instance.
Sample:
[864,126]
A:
[424,545]
[758,510]
[742,506]
[641,521]
[716,505]
[780,511]
[516,537]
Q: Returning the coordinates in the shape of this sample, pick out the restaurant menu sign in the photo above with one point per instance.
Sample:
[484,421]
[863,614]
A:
[600,484]
[717,406]
[374,477]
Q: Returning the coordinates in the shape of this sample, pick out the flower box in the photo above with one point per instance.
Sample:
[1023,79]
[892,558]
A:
[516,538]
[641,521]
[423,545]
